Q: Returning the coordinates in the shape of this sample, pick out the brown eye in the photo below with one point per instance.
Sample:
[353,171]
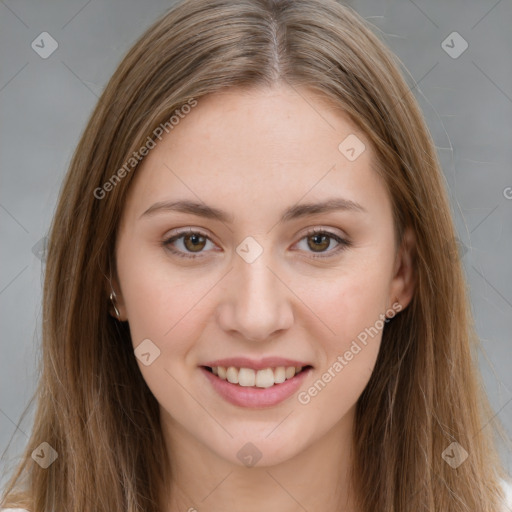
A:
[194,242]
[320,242]
[191,242]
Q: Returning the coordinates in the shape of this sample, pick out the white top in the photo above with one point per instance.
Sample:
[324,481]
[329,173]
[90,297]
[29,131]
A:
[507,487]
[507,506]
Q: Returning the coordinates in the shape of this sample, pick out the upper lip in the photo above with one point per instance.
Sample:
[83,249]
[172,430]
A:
[255,364]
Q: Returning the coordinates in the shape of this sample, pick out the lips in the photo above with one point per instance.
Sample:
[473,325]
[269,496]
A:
[256,383]
[252,396]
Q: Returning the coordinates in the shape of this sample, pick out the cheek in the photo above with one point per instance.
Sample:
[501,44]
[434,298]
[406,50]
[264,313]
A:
[353,311]
[349,303]
[163,306]
[161,302]
[353,308]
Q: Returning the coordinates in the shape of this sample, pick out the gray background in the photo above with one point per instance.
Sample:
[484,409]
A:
[45,104]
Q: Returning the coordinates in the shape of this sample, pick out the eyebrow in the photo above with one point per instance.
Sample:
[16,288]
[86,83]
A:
[291,213]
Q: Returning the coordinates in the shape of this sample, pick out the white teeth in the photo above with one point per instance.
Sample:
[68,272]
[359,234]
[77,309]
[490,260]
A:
[247,377]
[265,378]
[290,372]
[279,374]
[232,375]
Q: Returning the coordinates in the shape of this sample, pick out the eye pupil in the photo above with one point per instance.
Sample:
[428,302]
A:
[195,237]
[319,236]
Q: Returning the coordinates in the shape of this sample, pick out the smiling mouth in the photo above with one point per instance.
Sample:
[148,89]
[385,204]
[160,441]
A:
[248,377]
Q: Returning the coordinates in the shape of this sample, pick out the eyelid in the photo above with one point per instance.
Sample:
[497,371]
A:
[179,233]
[343,241]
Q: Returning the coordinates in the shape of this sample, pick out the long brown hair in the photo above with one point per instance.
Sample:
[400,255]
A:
[93,406]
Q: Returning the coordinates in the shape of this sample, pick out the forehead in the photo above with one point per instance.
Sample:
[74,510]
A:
[255,148]
[263,125]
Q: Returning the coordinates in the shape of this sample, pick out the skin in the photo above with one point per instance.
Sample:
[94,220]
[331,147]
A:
[254,153]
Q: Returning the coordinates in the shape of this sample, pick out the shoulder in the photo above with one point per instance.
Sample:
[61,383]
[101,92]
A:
[507,490]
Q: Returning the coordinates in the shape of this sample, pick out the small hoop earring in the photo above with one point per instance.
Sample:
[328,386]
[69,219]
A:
[113,298]
[390,318]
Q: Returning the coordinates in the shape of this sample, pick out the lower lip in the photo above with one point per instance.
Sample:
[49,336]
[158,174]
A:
[256,397]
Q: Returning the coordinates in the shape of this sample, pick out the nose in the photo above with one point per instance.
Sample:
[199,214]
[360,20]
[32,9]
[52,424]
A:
[256,304]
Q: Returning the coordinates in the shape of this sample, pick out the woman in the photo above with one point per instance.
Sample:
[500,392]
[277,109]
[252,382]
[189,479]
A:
[253,297]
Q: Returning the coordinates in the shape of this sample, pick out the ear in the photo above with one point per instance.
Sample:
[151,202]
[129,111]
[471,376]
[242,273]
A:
[404,272]
[112,287]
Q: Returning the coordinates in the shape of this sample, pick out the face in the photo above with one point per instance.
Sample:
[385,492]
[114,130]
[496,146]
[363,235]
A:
[252,278]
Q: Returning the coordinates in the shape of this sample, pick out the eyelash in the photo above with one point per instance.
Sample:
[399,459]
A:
[343,243]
